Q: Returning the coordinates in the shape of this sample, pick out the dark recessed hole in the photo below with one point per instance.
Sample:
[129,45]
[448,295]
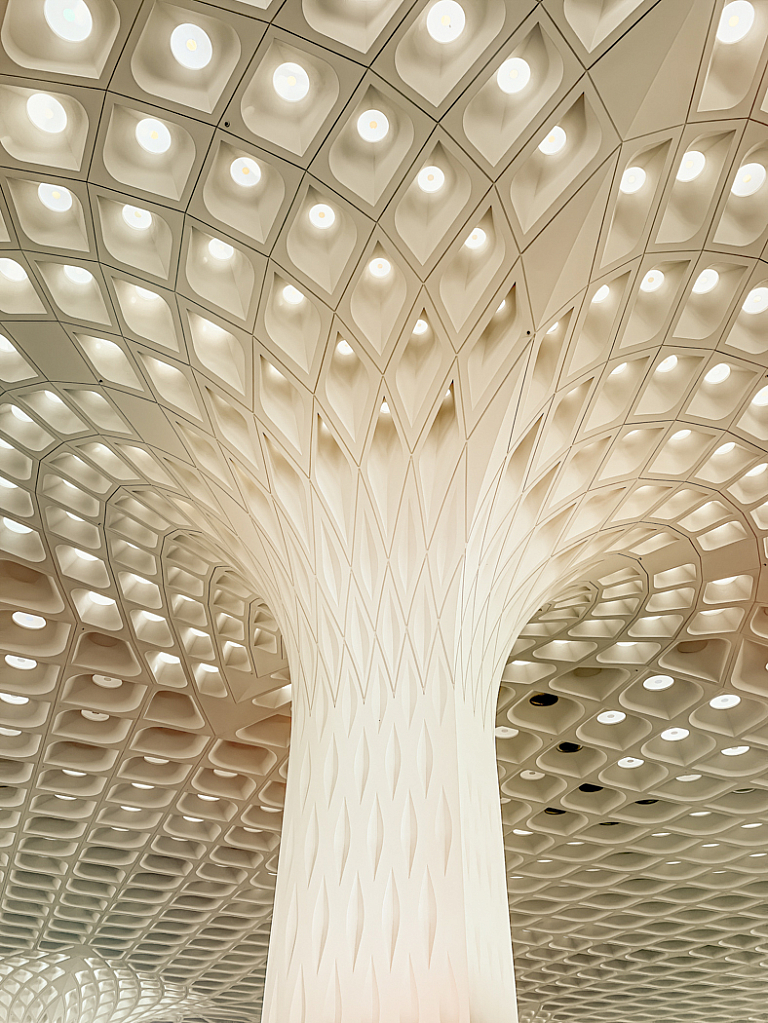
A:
[645,802]
[553,810]
[569,747]
[587,787]
[692,646]
[608,824]
[543,699]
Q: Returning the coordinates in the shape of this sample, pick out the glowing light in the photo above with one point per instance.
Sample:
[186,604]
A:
[675,734]
[749,178]
[758,470]
[430,179]
[505,732]
[667,365]
[513,75]
[15,701]
[681,435]
[54,197]
[734,751]
[618,370]
[20,414]
[245,172]
[372,125]
[476,239]
[69,19]
[656,683]
[601,294]
[322,216]
[445,21]
[292,295]
[630,762]
[380,267]
[78,274]
[691,165]
[736,20]
[16,527]
[22,663]
[761,398]
[420,327]
[554,142]
[191,46]
[153,136]
[756,301]
[632,180]
[725,449]
[611,717]
[291,82]
[137,218]
[344,347]
[220,250]
[12,270]
[706,281]
[29,621]
[725,701]
[46,113]
[718,374]
[145,294]
[652,281]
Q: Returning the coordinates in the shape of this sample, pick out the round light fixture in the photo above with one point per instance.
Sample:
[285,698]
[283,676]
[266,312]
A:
[476,239]
[760,399]
[652,281]
[153,136]
[22,663]
[191,46]
[725,701]
[322,216]
[445,21]
[611,717]
[734,751]
[749,178]
[667,365]
[145,294]
[756,470]
[630,762]
[756,301]
[632,180]
[137,218]
[601,294]
[420,327]
[725,449]
[691,165]
[12,270]
[554,141]
[78,274]
[513,75]
[706,281]
[29,621]
[380,267]
[245,172]
[291,82]
[344,347]
[658,682]
[675,734]
[372,125]
[69,19]
[688,777]
[15,701]
[107,681]
[718,374]
[505,732]
[220,250]
[618,370]
[54,197]
[46,113]
[736,20]
[292,295]
[430,179]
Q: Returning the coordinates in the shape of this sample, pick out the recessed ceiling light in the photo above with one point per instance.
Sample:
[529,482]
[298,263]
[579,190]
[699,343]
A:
[153,136]
[706,281]
[322,216]
[688,777]
[667,365]
[513,75]
[675,734]
[245,172]
[657,683]
[554,141]
[505,732]
[55,197]
[476,239]
[758,470]
[652,281]
[69,19]
[372,125]
[749,178]
[445,21]
[13,700]
[601,294]
[734,751]
[380,267]
[16,527]
[420,327]
[29,621]
[430,179]
[145,294]
[630,762]
[137,218]
[691,165]
[725,449]
[107,681]
[618,370]
[761,398]
[292,295]
[736,20]
[756,301]
[291,82]
[191,46]
[344,347]
[46,113]
[611,717]
[220,250]
[632,180]
[718,374]
[78,274]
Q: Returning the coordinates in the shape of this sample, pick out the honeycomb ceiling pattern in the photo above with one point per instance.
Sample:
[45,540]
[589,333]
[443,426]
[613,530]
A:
[495,380]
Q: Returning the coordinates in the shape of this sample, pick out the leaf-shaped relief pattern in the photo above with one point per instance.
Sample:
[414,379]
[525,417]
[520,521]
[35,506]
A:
[376,834]
[342,840]
[391,916]
[311,844]
[444,830]
[356,920]
[425,759]
[428,914]
[320,924]
[410,832]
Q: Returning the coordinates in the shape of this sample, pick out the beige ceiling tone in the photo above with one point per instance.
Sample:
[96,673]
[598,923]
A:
[439,458]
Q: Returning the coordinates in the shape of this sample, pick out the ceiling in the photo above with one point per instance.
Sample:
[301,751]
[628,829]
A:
[429,355]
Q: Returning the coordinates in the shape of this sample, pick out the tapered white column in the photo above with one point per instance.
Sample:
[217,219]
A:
[391,896]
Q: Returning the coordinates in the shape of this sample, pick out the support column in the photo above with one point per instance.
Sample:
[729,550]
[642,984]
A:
[391,902]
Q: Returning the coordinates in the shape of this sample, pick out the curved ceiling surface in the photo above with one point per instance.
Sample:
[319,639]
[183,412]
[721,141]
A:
[382,340]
